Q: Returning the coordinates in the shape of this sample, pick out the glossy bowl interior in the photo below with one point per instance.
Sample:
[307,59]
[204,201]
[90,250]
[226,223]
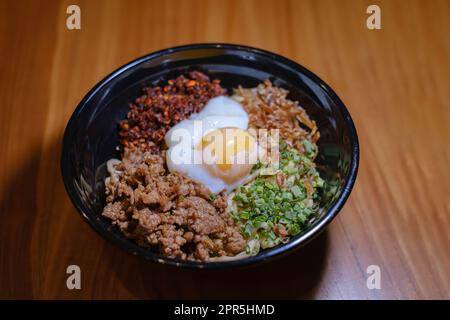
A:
[91,135]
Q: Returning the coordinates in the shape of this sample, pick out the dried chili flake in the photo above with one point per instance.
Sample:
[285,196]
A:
[160,108]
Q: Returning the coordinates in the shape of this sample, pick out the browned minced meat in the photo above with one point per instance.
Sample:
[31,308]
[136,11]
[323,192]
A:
[168,212]
[160,108]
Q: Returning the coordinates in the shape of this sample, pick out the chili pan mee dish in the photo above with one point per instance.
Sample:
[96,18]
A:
[210,175]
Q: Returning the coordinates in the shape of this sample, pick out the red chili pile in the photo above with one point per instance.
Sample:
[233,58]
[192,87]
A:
[160,108]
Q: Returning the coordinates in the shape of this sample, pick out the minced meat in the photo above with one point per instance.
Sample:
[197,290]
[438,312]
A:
[168,212]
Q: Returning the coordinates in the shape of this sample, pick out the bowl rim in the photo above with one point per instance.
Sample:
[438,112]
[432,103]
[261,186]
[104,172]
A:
[263,256]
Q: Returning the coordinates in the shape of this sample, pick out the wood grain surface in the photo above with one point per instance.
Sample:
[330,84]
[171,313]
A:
[395,82]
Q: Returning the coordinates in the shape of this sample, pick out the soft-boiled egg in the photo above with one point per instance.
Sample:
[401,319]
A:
[213,147]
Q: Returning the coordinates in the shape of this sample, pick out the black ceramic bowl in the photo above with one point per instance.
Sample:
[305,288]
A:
[90,138]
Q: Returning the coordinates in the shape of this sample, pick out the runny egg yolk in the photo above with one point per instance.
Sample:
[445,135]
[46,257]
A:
[228,153]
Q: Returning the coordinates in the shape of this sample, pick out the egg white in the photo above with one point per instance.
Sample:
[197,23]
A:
[182,139]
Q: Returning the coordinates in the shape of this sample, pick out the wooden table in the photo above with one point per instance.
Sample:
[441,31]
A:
[395,82]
